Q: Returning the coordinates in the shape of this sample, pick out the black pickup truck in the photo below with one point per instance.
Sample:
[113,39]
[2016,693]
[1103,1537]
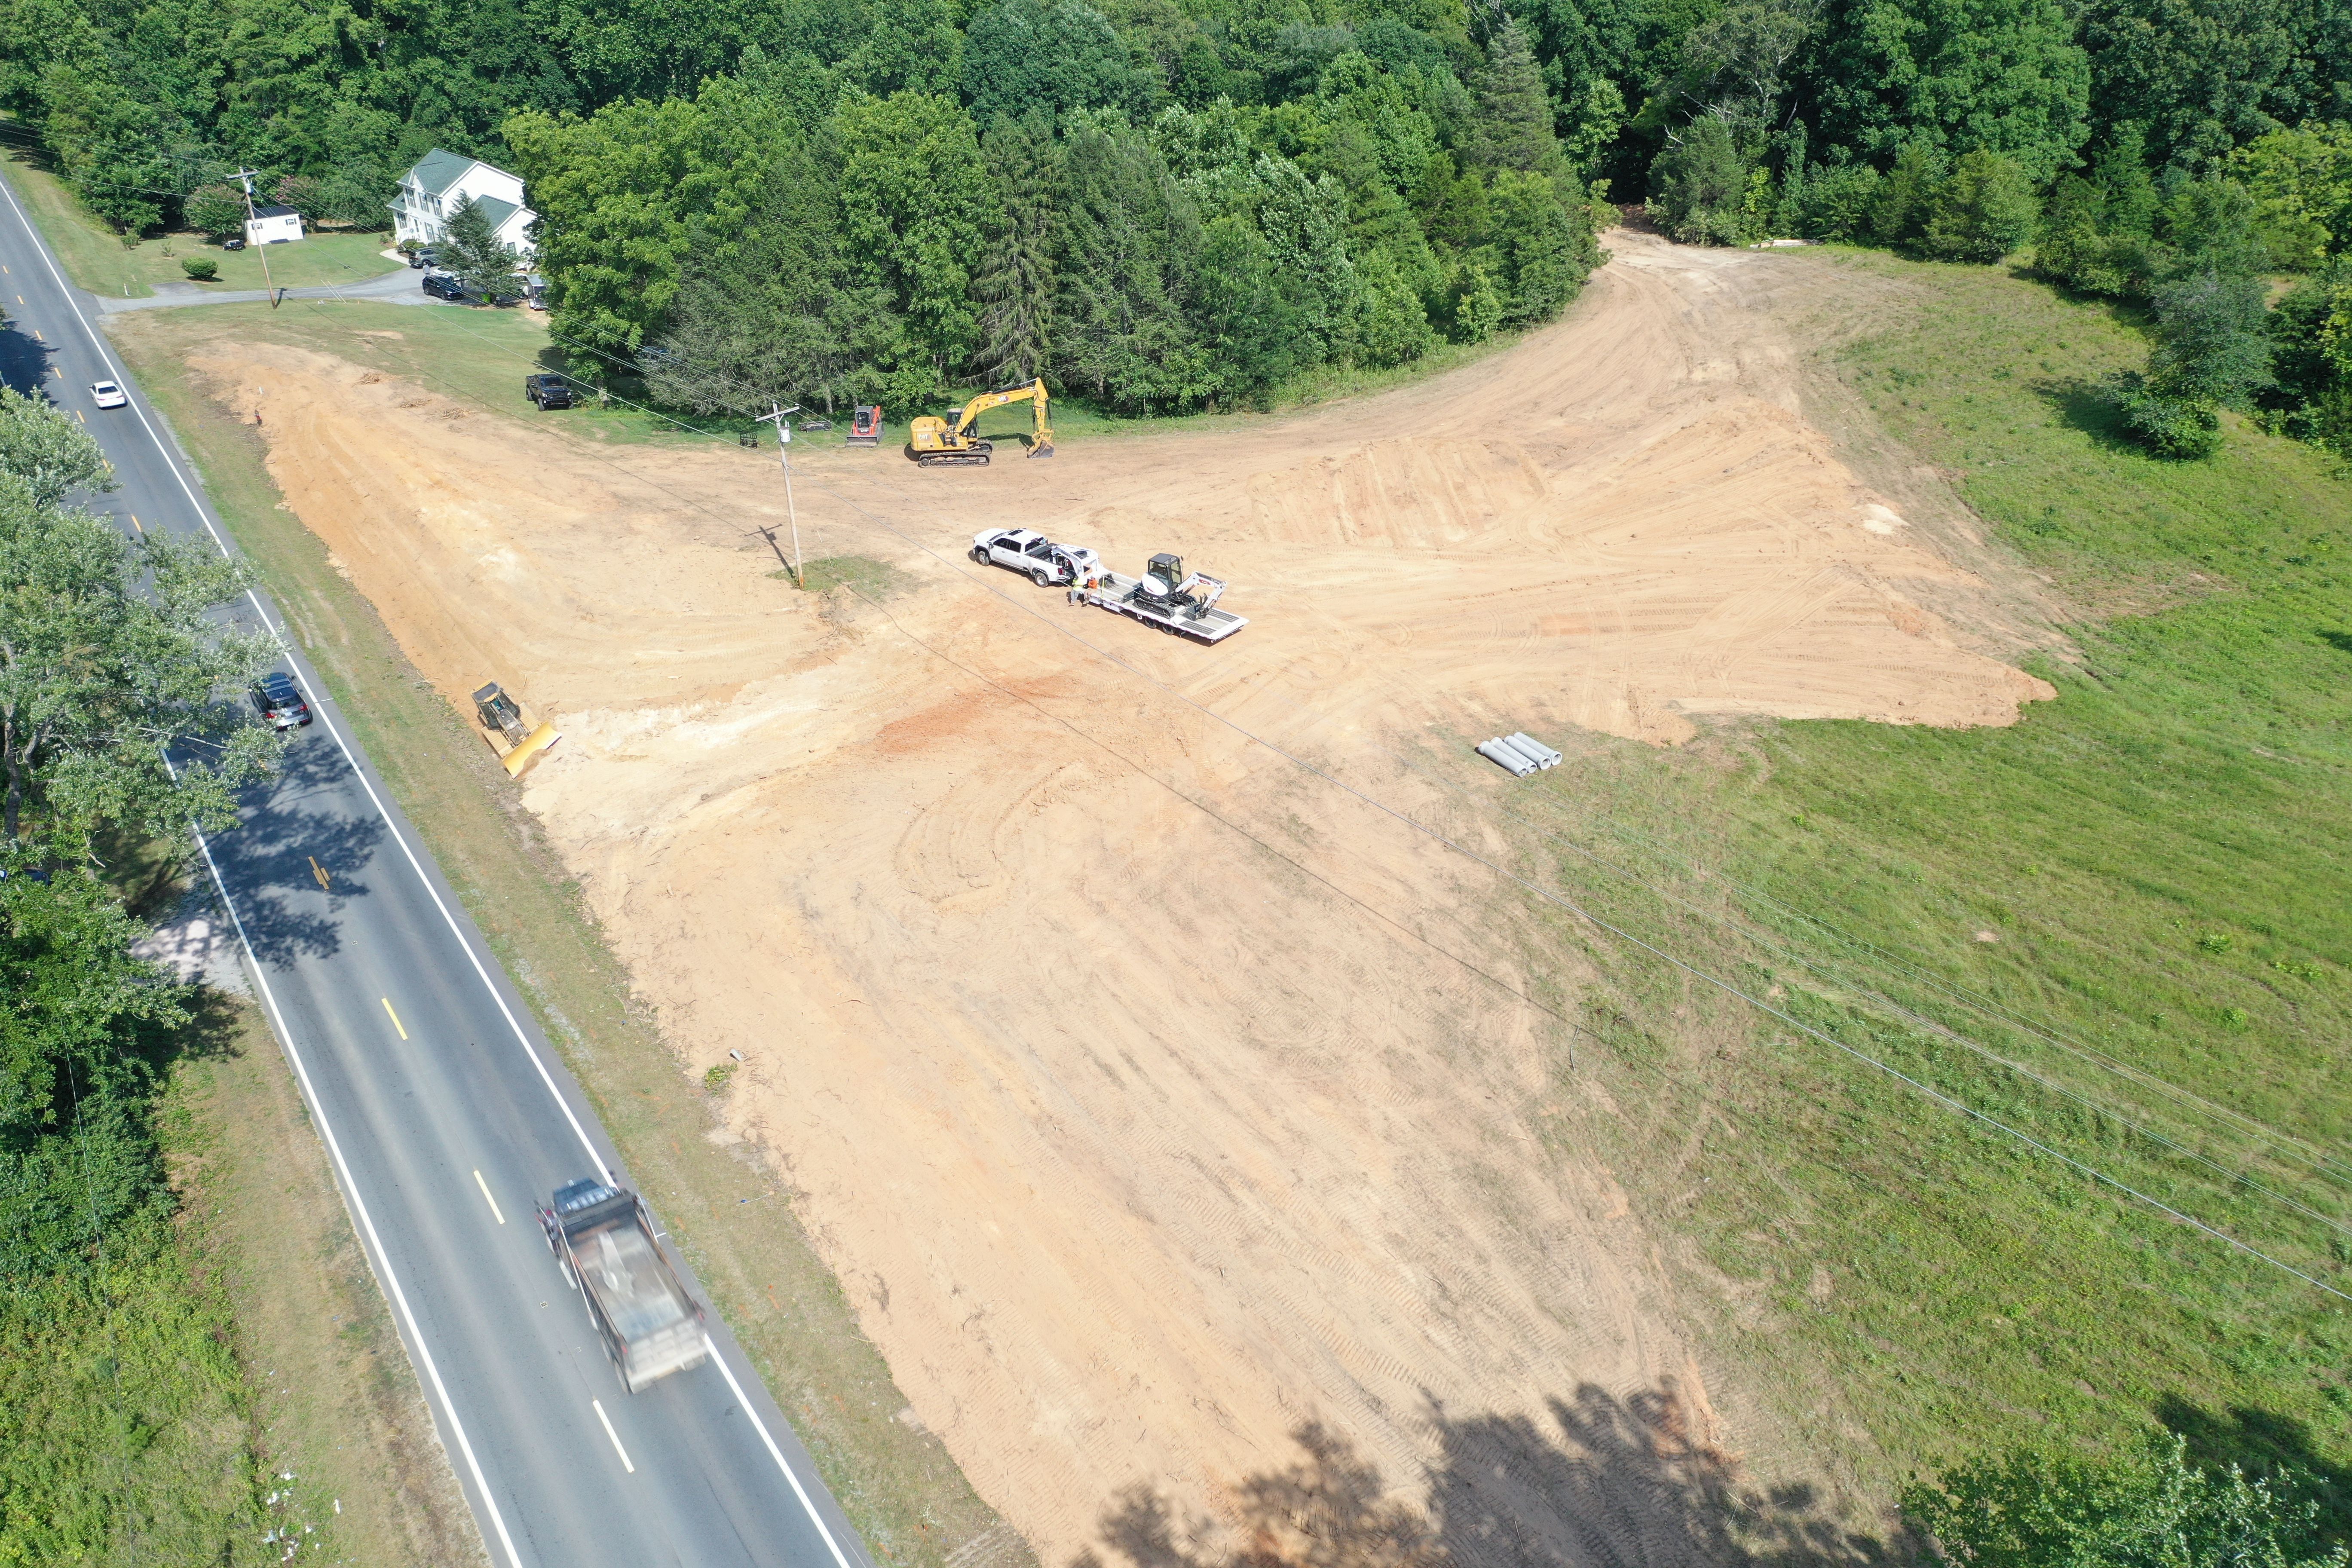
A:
[549,390]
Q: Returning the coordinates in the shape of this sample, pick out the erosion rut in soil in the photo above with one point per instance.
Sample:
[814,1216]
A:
[1152,1092]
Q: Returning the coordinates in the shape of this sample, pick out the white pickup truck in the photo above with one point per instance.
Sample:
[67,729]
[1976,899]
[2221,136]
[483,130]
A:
[1038,558]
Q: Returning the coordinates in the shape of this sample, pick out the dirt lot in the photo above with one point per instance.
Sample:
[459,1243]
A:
[1155,1096]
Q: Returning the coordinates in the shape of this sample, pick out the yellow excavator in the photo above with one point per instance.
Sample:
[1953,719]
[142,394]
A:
[509,731]
[935,442]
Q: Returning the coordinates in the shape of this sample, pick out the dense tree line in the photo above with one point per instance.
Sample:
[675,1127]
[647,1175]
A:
[1169,203]
[785,232]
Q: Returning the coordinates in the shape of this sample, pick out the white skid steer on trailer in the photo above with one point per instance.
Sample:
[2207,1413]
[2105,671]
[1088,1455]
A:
[1165,596]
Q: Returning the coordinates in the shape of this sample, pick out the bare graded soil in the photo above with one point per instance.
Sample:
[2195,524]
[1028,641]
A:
[1155,1094]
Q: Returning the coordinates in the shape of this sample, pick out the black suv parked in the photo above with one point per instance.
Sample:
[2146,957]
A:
[549,390]
[441,286]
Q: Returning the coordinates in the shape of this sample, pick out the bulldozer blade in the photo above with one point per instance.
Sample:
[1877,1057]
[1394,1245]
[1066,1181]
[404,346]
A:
[523,756]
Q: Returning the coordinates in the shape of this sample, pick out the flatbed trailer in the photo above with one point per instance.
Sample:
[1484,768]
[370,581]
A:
[603,1241]
[1120,595]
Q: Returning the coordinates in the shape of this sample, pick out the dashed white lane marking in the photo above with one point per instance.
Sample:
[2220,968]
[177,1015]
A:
[487,1198]
[607,1420]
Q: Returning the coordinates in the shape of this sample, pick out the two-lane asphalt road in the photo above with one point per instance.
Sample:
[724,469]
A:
[445,1114]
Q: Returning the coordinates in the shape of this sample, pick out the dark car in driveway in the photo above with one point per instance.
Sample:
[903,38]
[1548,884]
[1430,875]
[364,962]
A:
[279,700]
[549,390]
[441,286]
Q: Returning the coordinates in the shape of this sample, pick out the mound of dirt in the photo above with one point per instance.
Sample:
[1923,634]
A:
[1153,1095]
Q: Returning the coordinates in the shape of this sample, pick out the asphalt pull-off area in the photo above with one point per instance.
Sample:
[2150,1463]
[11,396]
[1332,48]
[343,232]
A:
[445,1112]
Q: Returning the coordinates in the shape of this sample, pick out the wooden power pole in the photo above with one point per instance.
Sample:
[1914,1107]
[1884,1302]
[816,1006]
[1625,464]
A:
[781,419]
[246,178]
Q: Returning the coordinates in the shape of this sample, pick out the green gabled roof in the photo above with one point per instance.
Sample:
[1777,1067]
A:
[440,169]
[496,210]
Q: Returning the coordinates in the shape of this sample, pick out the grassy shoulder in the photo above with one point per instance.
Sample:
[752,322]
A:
[2120,927]
[226,1384]
[897,1483]
[336,1420]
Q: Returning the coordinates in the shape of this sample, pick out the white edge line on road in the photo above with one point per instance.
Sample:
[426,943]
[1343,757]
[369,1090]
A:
[359,1206]
[603,1171]
[487,1198]
[775,1453]
[599,1405]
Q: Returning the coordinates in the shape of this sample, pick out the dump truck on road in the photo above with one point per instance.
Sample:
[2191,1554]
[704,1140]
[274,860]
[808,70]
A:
[603,1241]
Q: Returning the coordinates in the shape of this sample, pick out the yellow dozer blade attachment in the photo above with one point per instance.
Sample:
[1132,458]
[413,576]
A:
[523,756]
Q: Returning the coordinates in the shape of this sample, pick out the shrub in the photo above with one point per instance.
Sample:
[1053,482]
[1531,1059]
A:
[2168,426]
[2028,1509]
[1702,186]
[216,211]
[1982,212]
[202,268]
[1899,208]
[1833,204]
[2212,340]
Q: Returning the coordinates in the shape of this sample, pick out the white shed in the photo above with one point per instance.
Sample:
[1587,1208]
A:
[273,226]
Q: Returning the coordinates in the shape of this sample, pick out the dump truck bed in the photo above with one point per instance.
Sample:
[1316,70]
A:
[1116,593]
[651,1327]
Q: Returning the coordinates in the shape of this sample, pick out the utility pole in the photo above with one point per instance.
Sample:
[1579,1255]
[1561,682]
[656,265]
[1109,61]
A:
[246,178]
[780,418]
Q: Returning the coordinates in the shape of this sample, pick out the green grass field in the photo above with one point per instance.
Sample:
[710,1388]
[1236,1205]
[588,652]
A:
[2120,927]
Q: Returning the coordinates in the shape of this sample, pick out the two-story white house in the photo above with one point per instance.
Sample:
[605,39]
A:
[431,191]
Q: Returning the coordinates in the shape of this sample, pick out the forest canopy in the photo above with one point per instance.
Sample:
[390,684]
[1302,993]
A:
[1170,203]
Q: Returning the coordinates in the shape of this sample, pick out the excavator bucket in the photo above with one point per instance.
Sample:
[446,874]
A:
[523,756]
[1042,447]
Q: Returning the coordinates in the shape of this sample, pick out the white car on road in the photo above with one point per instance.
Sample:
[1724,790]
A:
[108,395]
[1027,550]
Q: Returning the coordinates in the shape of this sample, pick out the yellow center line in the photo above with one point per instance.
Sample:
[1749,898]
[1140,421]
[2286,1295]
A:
[80,416]
[486,1193]
[37,335]
[394,1016]
[135,523]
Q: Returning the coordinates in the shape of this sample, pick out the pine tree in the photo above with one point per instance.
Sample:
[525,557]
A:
[470,250]
[1513,128]
[1015,283]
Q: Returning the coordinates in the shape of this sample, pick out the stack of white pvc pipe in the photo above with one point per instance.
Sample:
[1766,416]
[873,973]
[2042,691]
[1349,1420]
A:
[1520,753]
[1502,753]
[1544,755]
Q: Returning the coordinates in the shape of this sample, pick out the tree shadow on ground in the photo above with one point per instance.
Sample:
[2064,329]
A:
[1597,1483]
[2264,1443]
[2090,408]
[293,827]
